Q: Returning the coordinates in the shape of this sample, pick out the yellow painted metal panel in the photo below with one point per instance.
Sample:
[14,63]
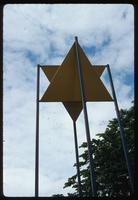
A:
[98,69]
[94,88]
[65,86]
[50,70]
[59,90]
[74,108]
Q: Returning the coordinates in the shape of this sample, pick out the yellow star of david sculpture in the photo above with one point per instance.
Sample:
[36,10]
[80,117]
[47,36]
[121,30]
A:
[74,108]
[75,82]
[65,85]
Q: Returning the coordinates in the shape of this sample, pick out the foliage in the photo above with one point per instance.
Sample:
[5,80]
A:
[57,195]
[109,162]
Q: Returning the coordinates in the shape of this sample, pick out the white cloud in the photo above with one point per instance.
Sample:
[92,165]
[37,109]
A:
[14,177]
[44,36]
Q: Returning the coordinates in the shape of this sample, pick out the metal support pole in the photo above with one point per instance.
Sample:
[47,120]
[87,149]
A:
[2,156]
[122,134]
[77,159]
[92,172]
[37,136]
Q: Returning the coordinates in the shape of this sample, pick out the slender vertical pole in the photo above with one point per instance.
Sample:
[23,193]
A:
[37,136]
[1,100]
[122,134]
[77,159]
[92,172]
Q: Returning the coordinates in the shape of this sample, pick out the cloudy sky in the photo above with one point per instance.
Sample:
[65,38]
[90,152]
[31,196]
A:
[43,34]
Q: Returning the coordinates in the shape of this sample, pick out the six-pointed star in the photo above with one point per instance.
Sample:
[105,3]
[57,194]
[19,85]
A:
[74,108]
[65,85]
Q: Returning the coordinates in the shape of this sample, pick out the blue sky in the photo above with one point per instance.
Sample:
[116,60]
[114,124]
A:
[43,34]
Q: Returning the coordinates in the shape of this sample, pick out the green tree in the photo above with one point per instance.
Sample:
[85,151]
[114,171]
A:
[109,162]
